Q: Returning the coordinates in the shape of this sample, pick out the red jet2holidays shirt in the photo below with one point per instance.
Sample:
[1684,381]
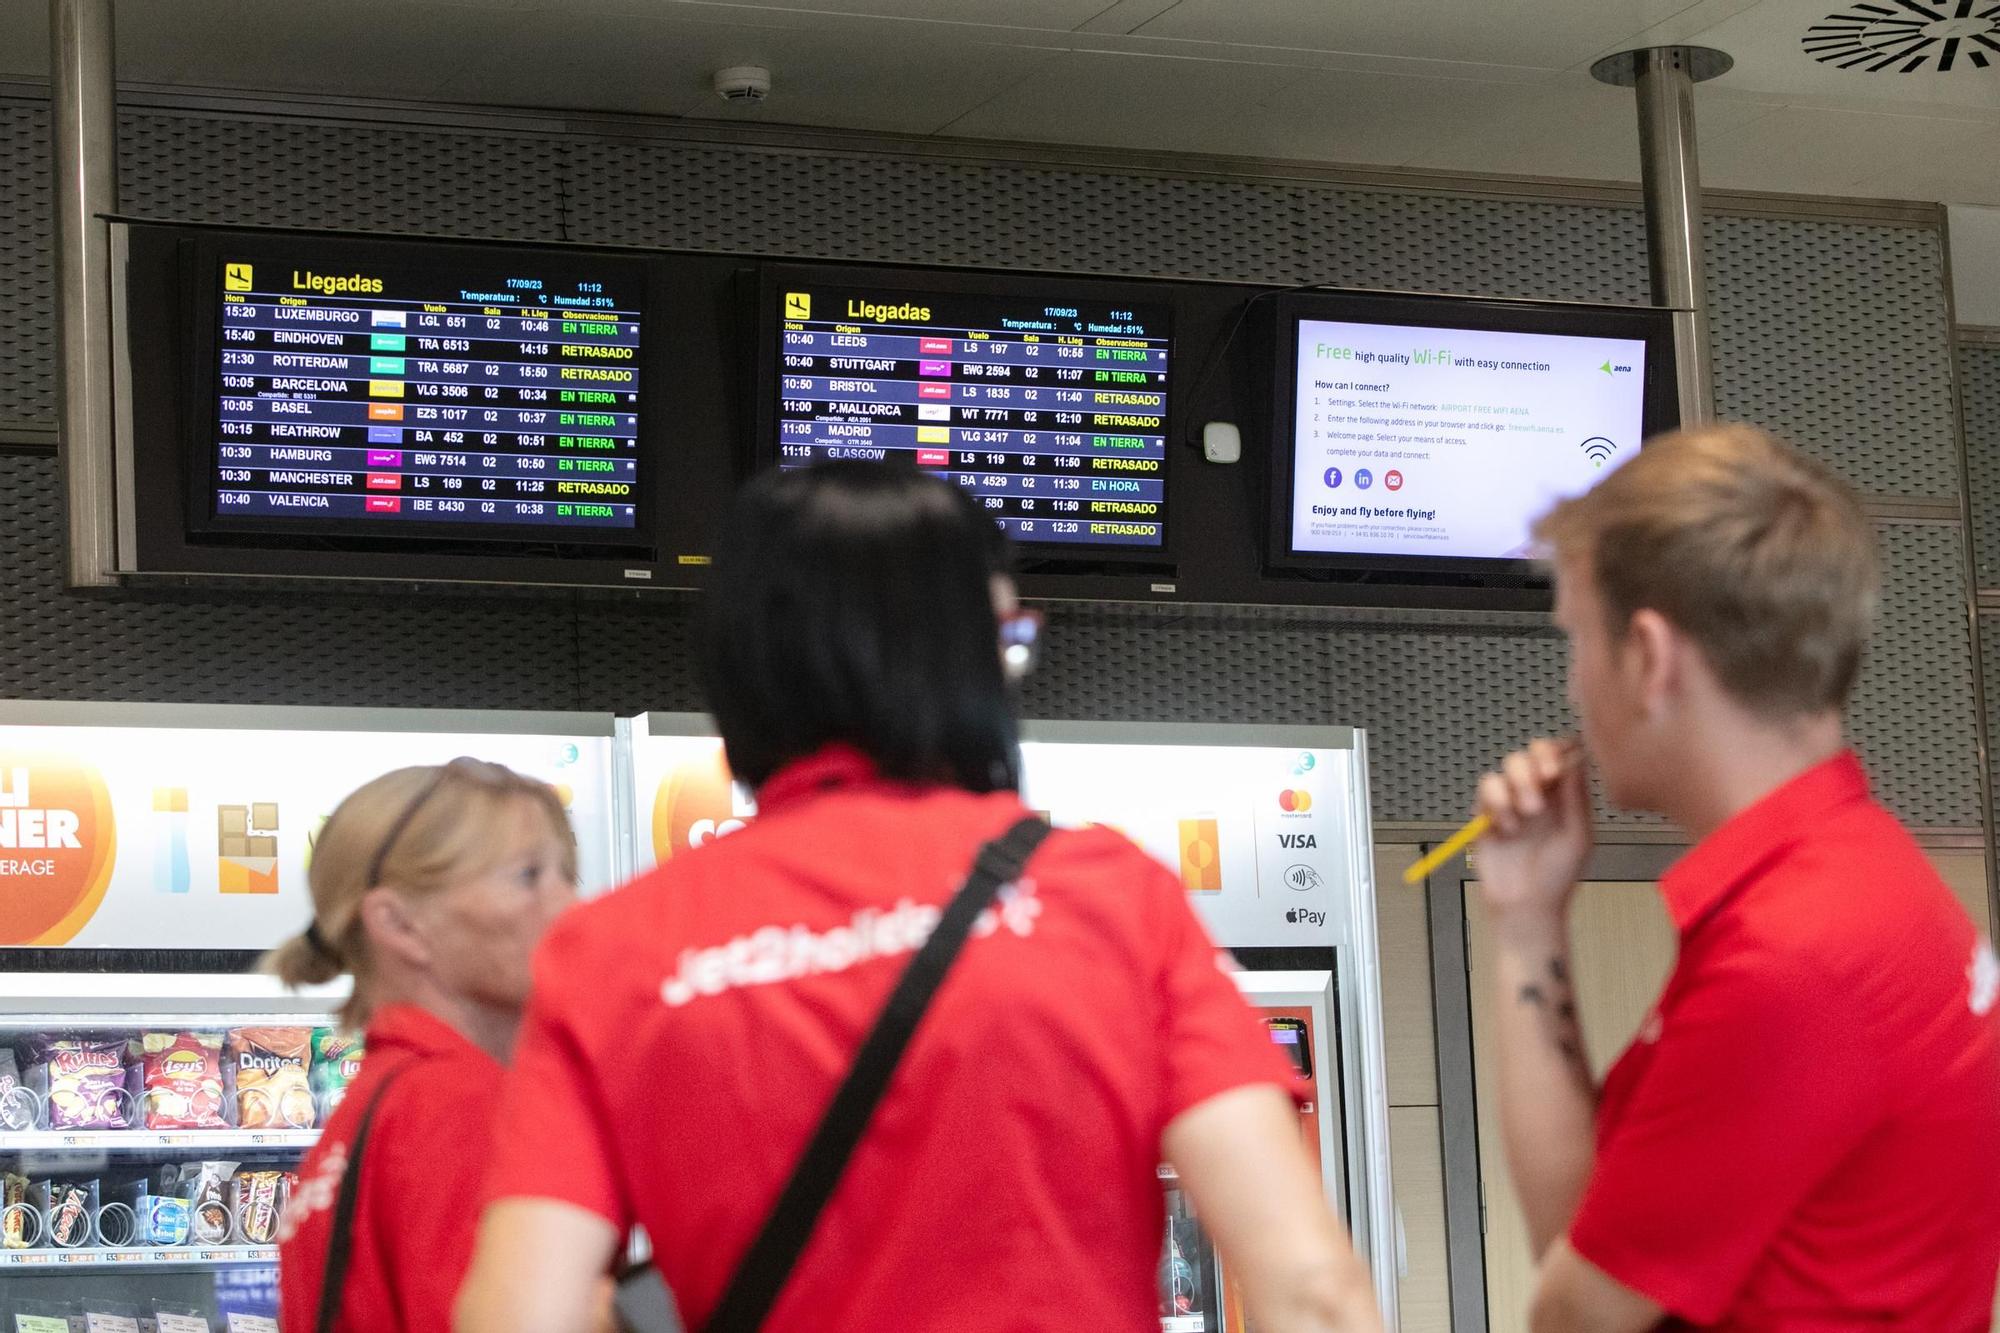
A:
[1805,1136]
[421,1176]
[687,1032]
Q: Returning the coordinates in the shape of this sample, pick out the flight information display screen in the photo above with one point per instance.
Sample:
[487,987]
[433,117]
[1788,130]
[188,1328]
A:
[454,393]
[1052,414]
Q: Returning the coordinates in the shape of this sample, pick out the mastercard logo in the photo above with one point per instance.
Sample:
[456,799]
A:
[1294,801]
[58,840]
[694,805]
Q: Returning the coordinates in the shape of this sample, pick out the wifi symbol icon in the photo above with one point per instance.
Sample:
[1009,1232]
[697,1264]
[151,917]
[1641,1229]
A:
[1598,450]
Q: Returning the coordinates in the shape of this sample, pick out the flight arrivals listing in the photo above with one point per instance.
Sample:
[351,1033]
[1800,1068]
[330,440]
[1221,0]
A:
[368,399]
[1053,416]
[1451,442]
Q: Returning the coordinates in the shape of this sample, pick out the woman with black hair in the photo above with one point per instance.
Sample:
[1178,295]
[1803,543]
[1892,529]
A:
[688,1033]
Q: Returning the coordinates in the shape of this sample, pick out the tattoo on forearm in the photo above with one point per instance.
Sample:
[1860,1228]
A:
[1557,1003]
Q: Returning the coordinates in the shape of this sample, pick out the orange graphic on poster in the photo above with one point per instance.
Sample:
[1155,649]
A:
[58,840]
[1201,855]
[694,805]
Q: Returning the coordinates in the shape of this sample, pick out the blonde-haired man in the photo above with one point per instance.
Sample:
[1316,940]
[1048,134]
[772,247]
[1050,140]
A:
[1805,1134]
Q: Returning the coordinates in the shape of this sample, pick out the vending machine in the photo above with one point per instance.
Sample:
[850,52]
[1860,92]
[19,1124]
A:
[156,1095]
[1268,830]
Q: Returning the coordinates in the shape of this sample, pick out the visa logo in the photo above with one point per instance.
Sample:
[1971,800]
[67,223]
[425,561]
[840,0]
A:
[1298,841]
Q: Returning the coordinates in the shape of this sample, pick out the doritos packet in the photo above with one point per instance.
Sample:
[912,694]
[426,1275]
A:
[270,1066]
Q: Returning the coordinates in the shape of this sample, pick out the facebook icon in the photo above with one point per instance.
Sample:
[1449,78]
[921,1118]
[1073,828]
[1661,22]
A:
[1333,478]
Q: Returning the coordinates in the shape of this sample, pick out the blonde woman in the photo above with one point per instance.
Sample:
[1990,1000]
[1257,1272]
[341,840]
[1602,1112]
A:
[431,888]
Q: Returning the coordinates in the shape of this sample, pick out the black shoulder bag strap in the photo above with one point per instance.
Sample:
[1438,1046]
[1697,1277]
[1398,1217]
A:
[768,1263]
[340,1249]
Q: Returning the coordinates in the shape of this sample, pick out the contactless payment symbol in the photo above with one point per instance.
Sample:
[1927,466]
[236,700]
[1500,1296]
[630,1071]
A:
[1332,478]
[798,305]
[236,278]
[1363,478]
[1393,480]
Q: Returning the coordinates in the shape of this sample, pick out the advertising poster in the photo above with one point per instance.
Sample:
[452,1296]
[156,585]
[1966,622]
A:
[1256,835]
[169,838]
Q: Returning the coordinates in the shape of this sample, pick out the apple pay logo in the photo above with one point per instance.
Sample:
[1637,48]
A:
[1305,916]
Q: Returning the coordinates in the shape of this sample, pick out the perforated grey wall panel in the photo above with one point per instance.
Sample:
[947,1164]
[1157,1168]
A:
[301,174]
[1833,334]
[1837,337]
[1498,248]
[1979,392]
[1915,717]
[233,648]
[873,208]
[27,280]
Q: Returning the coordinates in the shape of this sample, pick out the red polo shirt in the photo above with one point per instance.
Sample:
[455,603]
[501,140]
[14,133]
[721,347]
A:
[687,1031]
[1806,1134]
[421,1176]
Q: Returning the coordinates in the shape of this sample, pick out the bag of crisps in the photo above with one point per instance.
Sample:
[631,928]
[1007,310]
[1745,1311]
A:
[271,1066]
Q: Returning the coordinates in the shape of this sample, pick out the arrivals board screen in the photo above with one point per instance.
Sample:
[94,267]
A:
[398,389]
[1050,409]
[1445,440]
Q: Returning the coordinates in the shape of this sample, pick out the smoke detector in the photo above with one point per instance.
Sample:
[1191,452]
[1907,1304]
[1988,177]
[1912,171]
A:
[743,83]
[1907,37]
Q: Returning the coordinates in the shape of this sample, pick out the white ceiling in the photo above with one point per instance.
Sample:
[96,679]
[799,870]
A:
[1466,85]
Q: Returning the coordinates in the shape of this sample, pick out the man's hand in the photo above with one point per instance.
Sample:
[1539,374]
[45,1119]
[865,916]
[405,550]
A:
[1541,837]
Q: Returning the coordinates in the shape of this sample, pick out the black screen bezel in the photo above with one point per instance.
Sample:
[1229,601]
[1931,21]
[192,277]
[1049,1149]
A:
[1659,411]
[199,261]
[915,283]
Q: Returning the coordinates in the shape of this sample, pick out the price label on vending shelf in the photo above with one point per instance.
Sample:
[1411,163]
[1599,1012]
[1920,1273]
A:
[251,1323]
[181,1323]
[134,1256]
[109,1323]
[76,1257]
[40,1323]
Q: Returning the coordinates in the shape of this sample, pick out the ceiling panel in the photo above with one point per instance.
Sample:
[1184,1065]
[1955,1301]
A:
[1771,58]
[360,47]
[1542,33]
[1058,15]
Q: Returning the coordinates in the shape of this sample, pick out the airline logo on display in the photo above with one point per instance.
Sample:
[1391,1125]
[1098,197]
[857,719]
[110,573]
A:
[58,839]
[1201,855]
[695,804]
[1295,801]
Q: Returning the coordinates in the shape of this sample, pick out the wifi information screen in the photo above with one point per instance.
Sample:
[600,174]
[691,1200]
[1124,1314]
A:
[1053,415]
[1451,442]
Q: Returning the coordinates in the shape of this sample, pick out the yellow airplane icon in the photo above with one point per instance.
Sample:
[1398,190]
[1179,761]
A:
[798,305]
[236,278]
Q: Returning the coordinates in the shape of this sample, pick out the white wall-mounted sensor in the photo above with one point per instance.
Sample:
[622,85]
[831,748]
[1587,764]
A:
[743,83]
[1221,442]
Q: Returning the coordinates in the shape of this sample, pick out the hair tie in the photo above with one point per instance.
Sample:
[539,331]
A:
[318,942]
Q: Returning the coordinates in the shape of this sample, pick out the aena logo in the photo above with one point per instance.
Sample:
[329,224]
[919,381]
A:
[1298,842]
[1305,916]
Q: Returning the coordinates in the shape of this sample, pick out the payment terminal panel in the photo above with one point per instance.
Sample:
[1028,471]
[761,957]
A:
[1048,400]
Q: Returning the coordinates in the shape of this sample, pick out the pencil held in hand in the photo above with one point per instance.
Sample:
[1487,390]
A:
[1476,828]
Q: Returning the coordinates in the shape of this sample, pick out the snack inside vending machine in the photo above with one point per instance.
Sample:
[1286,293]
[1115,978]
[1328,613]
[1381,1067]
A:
[1268,830]
[156,1095]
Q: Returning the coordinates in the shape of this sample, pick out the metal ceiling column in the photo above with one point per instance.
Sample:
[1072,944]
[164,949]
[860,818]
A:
[83,97]
[1663,79]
